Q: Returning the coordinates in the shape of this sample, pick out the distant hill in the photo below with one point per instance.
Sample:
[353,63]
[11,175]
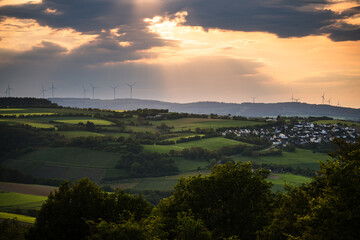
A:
[243,109]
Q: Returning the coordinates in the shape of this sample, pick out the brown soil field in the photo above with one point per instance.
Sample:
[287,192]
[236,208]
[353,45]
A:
[27,188]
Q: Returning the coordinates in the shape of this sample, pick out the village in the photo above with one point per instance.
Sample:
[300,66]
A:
[300,133]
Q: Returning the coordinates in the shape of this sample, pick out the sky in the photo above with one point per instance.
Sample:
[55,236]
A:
[183,50]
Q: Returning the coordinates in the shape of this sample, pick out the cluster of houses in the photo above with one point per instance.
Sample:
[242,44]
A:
[300,133]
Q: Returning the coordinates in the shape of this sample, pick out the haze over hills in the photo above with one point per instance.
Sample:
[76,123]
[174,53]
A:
[236,109]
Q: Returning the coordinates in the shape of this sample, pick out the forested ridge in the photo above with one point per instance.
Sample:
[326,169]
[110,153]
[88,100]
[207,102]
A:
[232,202]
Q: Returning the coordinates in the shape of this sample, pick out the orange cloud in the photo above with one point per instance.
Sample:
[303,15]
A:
[22,34]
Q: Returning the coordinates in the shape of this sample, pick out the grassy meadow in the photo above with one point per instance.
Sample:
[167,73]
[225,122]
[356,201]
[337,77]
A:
[18,217]
[11,201]
[203,123]
[349,123]
[300,158]
[207,143]
[290,179]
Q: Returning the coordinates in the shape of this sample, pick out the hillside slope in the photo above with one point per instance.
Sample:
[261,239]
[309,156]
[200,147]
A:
[243,109]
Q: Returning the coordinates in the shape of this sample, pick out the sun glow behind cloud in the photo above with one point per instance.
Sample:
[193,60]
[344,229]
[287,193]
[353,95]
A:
[306,65]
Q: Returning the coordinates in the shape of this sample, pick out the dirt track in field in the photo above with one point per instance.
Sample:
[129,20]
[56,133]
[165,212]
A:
[26,188]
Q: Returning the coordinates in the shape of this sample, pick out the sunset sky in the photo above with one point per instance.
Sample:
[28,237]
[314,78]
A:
[183,50]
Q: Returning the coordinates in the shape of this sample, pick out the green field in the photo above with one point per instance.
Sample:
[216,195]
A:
[186,165]
[10,201]
[74,134]
[279,179]
[184,135]
[300,158]
[151,129]
[26,114]
[337,122]
[72,156]
[26,121]
[77,120]
[193,123]
[207,143]
[18,217]
[115,134]
[65,163]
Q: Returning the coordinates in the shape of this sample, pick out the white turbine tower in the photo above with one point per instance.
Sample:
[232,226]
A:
[84,91]
[8,91]
[114,88]
[253,98]
[52,90]
[292,98]
[43,91]
[323,98]
[93,90]
[131,88]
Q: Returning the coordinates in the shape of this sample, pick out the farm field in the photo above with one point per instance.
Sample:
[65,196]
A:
[65,163]
[300,158]
[33,189]
[337,122]
[19,217]
[291,179]
[186,165]
[74,134]
[193,123]
[72,156]
[10,201]
[84,120]
[207,143]
[25,121]
[184,135]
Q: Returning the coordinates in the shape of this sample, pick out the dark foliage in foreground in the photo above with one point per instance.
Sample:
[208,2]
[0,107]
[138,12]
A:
[64,214]
[232,202]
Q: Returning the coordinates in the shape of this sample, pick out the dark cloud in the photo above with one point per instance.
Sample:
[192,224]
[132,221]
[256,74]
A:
[81,15]
[285,18]
[345,35]
[93,17]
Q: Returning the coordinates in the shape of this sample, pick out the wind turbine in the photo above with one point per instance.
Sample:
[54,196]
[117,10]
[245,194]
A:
[114,88]
[329,101]
[52,90]
[8,91]
[338,103]
[131,87]
[323,98]
[292,98]
[84,91]
[93,90]
[253,98]
[43,91]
